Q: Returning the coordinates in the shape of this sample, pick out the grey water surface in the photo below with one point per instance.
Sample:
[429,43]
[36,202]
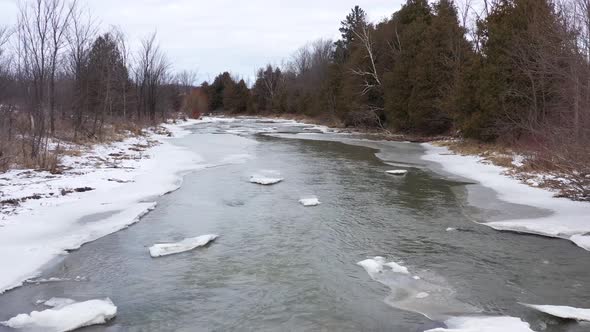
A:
[278,266]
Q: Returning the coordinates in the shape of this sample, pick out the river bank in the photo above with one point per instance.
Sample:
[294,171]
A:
[116,182]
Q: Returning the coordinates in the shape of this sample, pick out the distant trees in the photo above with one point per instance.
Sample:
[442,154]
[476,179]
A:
[62,80]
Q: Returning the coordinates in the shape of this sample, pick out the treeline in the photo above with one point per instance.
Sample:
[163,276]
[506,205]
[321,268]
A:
[515,71]
[61,79]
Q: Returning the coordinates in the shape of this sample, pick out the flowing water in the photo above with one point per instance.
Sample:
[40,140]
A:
[280,266]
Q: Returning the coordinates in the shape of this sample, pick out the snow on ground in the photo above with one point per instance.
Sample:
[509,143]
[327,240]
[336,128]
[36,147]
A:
[266,177]
[164,249]
[484,324]
[569,220]
[67,317]
[397,172]
[101,191]
[310,201]
[562,311]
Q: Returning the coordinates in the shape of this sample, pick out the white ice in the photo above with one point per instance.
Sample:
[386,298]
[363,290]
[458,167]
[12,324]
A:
[562,311]
[569,219]
[66,318]
[397,172]
[375,265]
[484,324]
[165,249]
[310,201]
[267,177]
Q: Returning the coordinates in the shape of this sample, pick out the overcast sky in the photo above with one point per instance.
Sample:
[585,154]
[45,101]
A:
[212,36]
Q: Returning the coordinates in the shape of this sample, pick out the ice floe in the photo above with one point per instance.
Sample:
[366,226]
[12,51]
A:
[569,219]
[564,312]
[310,201]
[397,172]
[484,324]
[67,317]
[164,249]
[266,178]
[430,296]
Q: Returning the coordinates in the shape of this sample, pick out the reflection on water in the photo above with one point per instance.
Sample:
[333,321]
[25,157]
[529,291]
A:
[280,266]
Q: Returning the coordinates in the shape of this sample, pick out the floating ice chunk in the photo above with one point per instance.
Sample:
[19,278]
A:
[67,318]
[416,278]
[397,268]
[58,302]
[561,311]
[451,229]
[164,249]
[310,201]
[484,324]
[375,265]
[266,178]
[422,295]
[398,172]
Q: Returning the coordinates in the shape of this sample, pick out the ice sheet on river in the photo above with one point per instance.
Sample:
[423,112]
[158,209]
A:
[484,324]
[165,249]
[429,296]
[562,311]
[569,219]
[65,317]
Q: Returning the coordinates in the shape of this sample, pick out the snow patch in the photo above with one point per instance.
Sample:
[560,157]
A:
[66,318]
[569,219]
[484,324]
[165,249]
[310,201]
[562,311]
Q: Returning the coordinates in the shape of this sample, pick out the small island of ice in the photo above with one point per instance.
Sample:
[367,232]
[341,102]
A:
[266,178]
[66,316]
[310,201]
[164,249]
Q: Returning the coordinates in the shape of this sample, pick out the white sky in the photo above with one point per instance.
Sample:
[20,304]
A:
[212,36]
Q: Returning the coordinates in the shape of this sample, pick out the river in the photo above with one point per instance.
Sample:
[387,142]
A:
[280,266]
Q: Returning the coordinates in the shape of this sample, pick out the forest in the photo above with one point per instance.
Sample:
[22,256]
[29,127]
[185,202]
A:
[509,72]
[514,72]
[62,80]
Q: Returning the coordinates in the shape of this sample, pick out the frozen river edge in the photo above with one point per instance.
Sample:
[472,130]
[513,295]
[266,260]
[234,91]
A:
[568,220]
[46,228]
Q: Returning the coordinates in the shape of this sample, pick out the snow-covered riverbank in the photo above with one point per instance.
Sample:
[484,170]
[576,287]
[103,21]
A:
[569,219]
[101,191]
